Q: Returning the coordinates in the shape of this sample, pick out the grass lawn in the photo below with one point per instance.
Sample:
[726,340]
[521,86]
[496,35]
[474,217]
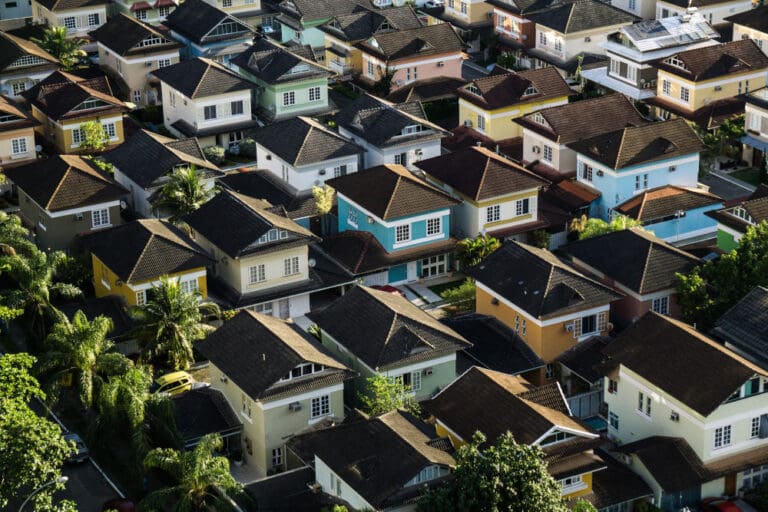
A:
[751,175]
[440,288]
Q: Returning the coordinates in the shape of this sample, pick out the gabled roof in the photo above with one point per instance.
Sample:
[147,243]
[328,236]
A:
[756,207]
[360,25]
[13,48]
[247,219]
[147,157]
[426,90]
[19,118]
[385,330]
[507,89]
[665,33]
[584,119]
[662,202]
[122,33]
[194,19]
[303,141]
[755,18]
[263,184]
[198,78]
[637,145]
[480,174]
[203,411]
[581,15]
[58,95]
[716,61]
[745,326]
[656,347]
[274,63]
[145,249]
[523,6]
[635,258]
[390,191]
[584,359]
[426,41]
[64,182]
[671,461]
[63,5]
[255,351]
[312,10]
[537,281]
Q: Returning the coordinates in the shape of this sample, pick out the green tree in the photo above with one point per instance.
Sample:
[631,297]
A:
[540,238]
[170,321]
[506,477]
[384,394]
[723,141]
[583,505]
[67,50]
[383,86]
[183,193]
[461,298]
[199,476]
[586,227]
[323,205]
[94,137]
[472,251]
[15,235]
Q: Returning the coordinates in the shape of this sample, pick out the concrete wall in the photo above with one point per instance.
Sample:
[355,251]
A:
[7,156]
[414,151]
[305,176]
[760,38]
[498,123]
[706,91]
[134,71]
[714,14]
[82,17]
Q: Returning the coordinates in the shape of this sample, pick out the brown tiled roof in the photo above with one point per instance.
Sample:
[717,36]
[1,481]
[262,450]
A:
[24,120]
[61,5]
[572,194]
[756,18]
[58,94]
[581,15]
[429,89]
[507,89]
[615,485]
[745,326]
[671,461]
[199,78]
[719,60]
[13,48]
[427,41]
[707,117]
[664,201]
[122,34]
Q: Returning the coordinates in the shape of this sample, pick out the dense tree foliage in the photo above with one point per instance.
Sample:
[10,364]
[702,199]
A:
[55,41]
[585,227]
[183,193]
[472,251]
[384,394]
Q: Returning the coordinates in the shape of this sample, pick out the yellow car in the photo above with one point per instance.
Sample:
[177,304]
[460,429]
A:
[171,384]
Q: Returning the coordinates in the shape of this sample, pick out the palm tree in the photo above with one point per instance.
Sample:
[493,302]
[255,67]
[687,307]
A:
[472,251]
[67,50]
[14,237]
[170,321]
[81,348]
[184,193]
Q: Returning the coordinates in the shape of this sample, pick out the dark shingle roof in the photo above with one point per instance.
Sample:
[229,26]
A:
[203,411]
[62,5]
[756,206]
[581,15]
[614,485]
[634,258]
[63,182]
[122,33]
[718,60]
[145,249]
[363,24]
[273,63]
[385,330]
[507,89]
[662,202]
[416,42]
[429,89]
[22,119]
[480,174]
[670,460]
[585,357]
[523,6]
[656,347]
[303,141]
[59,93]
[262,184]
[198,78]
[113,307]
[756,18]
[538,282]
[13,48]
[194,19]
[289,492]
[312,10]
[255,351]
[391,192]
[745,326]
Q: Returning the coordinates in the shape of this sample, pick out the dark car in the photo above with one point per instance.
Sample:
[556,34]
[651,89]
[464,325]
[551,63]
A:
[388,288]
[119,505]
[719,505]
[82,452]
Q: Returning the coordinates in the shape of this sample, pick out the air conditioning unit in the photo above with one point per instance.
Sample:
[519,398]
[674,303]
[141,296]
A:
[468,123]
[440,64]
[569,327]
[148,64]
[674,416]
[587,39]
[418,152]
[672,168]
[294,406]
[321,172]
[78,216]
[718,88]
[495,301]
[427,371]
[536,149]
[600,173]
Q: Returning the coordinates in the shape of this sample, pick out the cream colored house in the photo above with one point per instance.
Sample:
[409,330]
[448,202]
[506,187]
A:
[751,24]
[23,65]
[17,135]
[78,16]
[715,12]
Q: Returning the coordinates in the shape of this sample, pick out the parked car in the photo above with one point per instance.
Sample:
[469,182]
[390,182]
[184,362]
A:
[118,505]
[388,288]
[82,452]
[719,505]
[172,384]
[433,3]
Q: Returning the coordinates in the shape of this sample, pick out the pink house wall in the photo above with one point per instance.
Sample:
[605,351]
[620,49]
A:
[451,68]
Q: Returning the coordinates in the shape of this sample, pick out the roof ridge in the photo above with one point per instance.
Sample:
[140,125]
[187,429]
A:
[488,160]
[58,186]
[141,255]
[621,146]
[199,82]
[303,143]
[392,195]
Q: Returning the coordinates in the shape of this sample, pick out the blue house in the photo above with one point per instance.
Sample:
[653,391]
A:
[393,227]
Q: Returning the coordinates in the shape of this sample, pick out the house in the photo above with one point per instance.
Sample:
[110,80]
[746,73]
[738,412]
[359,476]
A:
[751,24]
[288,81]
[756,125]
[203,411]
[511,24]
[304,153]
[702,85]
[375,332]
[300,20]
[389,133]
[289,491]
[64,101]
[381,463]
[743,327]
[498,197]
[78,16]
[144,162]
[149,12]
[547,133]
[734,220]
[253,12]
[17,135]
[131,49]
[64,196]
[638,265]
[345,30]
[686,442]
[203,99]
[23,64]
[263,260]
[490,103]
[128,260]
[405,56]
[208,32]
[634,49]
[278,379]
[472,20]
[393,227]
[15,10]
[548,303]
[714,11]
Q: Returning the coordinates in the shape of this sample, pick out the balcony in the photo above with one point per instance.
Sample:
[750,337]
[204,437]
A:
[340,67]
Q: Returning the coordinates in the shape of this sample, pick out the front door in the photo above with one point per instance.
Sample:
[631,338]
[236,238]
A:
[730,484]
[284,308]
[413,275]
[433,266]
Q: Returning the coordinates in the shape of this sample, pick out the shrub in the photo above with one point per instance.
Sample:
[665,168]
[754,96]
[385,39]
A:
[215,154]
[248,147]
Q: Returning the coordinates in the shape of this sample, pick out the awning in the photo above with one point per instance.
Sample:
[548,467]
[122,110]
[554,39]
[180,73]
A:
[164,3]
[140,6]
[755,142]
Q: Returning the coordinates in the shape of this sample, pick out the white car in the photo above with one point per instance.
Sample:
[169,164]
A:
[434,3]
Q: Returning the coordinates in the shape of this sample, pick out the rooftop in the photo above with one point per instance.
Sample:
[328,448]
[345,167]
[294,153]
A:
[506,89]
[716,61]
[274,63]
[581,15]
[745,326]
[658,203]
[199,78]
[422,42]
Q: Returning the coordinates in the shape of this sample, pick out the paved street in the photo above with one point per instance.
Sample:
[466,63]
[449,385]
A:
[86,487]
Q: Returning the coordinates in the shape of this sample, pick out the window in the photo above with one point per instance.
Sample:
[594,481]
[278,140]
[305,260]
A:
[452,4]
[434,226]
[77,136]
[547,154]
[226,3]
[613,386]
[549,372]
[70,22]
[164,11]
[370,68]
[289,98]
[433,266]
[613,420]
[685,94]
[524,330]
[542,39]
[480,122]
[314,94]
[644,404]
[403,233]
[661,305]
[236,107]
[277,453]
[666,87]
[557,437]
[754,429]
[586,172]
[188,285]
[137,96]
[723,436]
[493,213]
[257,274]
[100,218]
[227,27]
[18,88]
[164,63]
[209,112]
[265,308]
[473,89]
[352,217]
[641,181]
[321,406]
[463,7]
[93,19]
[588,324]
[522,206]
[141,297]
[500,21]
[110,131]
[340,170]
[401,159]
[291,266]
[558,45]
[19,146]
[632,5]
[140,15]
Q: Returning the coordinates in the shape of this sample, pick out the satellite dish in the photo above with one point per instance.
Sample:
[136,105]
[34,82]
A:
[38,148]
[312,262]
[123,205]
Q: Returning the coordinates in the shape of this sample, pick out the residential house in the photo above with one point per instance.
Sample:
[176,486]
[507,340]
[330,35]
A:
[344,31]
[263,260]
[375,463]
[203,99]
[64,101]
[150,12]
[17,135]
[64,196]
[393,227]
[703,85]
[714,11]
[547,133]
[472,20]
[687,443]
[289,81]
[755,141]
[752,24]
[405,56]
[202,411]
[389,133]
[128,260]
[511,24]
[490,103]
[131,49]
[22,65]
[375,332]
[638,265]
[548,303]
[743,328]
[300,20]
[15,10]
[208,32]
[289,490]
[253,12]
[78,16]
[633,51]
[277,378]
[143,163]
[498,197]
[304,153]
[734,220]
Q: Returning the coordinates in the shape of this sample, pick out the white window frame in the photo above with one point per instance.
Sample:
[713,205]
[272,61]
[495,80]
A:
[685,94]
[164,63]
[237,108]
[141,14]
[141,297]
[754,428]
[94,19]
[523,206]
[100,218]
[613,420]
[19,146]
[70,22]
[493,213]
[320,406]
[402,233]
[314,94]
[661,305]
[290,266]
[209,112]
[547,154]
[110,130]
[189,285]
[257,274]
[277,457]
[352,217]
[434,226]
[289,98]
[666,87]
[18,88]
[723,437]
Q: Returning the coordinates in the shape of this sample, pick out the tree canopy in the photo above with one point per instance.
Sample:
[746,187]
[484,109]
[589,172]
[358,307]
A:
[586,227]
[472,251]
[384,394]
[55,41]
[183,193]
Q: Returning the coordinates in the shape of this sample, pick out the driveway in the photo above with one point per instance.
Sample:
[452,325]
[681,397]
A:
[86,487]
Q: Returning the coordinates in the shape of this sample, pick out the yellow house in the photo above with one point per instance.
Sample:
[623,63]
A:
[17,135]
[64,101]
[129,259]
[489,104]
